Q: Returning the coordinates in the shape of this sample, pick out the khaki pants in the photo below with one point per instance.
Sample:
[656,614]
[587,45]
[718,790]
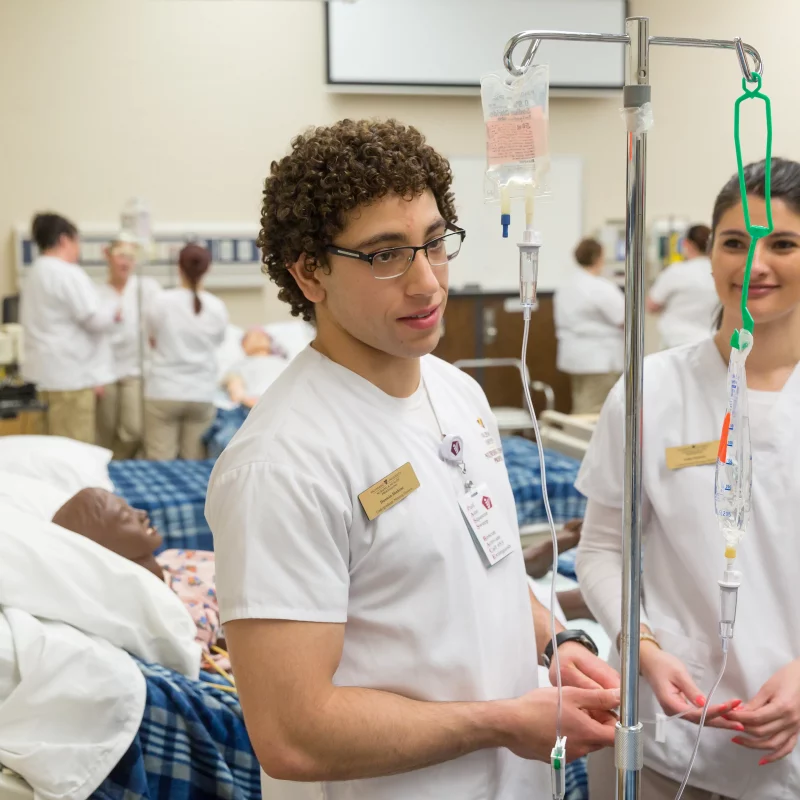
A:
[119,417]
[71,414]
[603,777]
[174,428]
[589,392]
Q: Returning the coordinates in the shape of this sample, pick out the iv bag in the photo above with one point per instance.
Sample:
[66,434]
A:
[734,472]
[136,223]
[515,113]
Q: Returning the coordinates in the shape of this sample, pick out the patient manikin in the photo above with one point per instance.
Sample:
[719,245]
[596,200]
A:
[250,377]
[109,521]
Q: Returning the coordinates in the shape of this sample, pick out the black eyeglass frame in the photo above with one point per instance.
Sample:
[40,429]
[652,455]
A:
[370,257]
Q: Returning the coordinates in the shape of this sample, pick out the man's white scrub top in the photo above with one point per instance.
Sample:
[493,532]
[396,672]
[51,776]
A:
[425,618]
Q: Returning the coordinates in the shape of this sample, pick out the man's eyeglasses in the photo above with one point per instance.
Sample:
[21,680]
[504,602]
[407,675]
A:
[393,262]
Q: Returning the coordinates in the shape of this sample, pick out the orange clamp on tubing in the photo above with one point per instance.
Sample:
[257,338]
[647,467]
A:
[722,453]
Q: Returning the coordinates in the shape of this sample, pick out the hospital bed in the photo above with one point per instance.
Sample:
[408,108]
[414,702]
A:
[510,418]
[191,744]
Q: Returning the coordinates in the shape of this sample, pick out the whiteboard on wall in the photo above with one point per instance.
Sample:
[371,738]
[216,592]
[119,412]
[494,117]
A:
[488,260]
[451,43]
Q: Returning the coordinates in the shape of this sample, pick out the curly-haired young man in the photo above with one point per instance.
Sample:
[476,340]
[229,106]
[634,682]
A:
[376,652]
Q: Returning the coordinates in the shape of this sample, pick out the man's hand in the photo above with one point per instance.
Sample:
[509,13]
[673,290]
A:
[771,719]
[677,692]
[533,722]
[582,669]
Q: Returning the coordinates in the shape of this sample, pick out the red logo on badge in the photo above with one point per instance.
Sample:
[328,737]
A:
[487,502]
[455,448]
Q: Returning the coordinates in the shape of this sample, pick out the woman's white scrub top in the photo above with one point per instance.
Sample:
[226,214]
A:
[684,403]
[425,618]
[589,313]
[687,292]
[125,353]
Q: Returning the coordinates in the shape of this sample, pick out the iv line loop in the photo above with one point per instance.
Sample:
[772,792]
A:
[756,231]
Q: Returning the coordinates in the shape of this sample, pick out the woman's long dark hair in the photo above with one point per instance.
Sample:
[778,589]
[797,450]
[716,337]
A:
[785,185]
[194,262]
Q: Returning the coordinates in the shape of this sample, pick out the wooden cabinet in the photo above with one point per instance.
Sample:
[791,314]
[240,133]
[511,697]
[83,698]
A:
[479,326]
[30,423]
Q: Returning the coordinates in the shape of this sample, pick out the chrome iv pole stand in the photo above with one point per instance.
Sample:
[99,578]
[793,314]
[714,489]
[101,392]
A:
[636,93]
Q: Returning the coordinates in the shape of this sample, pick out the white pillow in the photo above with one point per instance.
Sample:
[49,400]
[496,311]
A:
[31,495]
[52,573]
[64,463]
[292,337]
[230,351]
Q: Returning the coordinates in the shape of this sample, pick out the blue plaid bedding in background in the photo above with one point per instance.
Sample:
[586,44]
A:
[192,745]
[173,493]
[225,424]
[522,463]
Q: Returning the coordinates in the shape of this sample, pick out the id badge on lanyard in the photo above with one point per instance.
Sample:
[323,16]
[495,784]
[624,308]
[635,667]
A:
[483,519]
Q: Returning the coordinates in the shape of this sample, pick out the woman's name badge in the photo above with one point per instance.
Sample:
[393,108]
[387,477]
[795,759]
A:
[692,455]
[389,491]
[485,525]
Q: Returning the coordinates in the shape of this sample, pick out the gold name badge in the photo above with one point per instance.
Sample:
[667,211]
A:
[389,491]
[692,455]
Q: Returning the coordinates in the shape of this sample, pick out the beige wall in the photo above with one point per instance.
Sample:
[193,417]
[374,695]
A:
[186,103]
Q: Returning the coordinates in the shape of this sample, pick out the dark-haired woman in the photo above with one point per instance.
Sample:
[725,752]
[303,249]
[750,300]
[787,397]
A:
[186,325]
[589,312]
[749,751]
[684,293]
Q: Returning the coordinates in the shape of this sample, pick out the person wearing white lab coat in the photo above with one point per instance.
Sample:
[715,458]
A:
[684,295]
[66,326]
[400,663]
[185,326]
[589,313]
[749,751]
[119,406]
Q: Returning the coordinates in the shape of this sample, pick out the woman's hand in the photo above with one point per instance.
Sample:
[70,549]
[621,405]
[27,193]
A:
[677,692]
[771,719]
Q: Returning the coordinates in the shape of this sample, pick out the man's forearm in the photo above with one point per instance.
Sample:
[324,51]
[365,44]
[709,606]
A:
[364,733]
[541,624]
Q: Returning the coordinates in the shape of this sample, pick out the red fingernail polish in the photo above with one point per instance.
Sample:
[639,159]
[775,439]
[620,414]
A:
[736,703]
[700,700]
[763,762]
[736,740]
[740,727]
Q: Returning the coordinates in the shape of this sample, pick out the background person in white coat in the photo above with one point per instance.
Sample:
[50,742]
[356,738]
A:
[755,756]
[66,325]
[684,294]
[186,325]
[589,312]
[119,407]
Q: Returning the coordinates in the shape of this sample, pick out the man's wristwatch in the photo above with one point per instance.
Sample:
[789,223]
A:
[581,637]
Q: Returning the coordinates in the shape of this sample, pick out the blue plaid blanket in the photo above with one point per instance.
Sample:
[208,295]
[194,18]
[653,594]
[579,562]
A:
[225,424]
[192,745]
[522,463]
[173,493]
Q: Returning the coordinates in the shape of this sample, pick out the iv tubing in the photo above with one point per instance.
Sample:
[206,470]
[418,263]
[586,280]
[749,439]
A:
[703,720]
[527,389]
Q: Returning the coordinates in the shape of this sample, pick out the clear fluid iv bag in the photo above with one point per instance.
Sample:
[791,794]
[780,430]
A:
[734,473]
[515,112]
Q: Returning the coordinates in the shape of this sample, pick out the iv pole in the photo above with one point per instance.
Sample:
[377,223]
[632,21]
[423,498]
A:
[636,93]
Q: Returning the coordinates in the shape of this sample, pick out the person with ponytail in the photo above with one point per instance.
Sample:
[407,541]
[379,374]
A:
[683,294]
[185,325]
